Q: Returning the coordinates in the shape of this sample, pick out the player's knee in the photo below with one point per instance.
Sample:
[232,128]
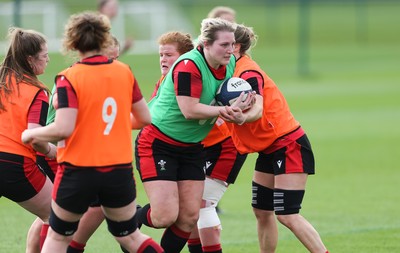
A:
[214,189]
[288,220]
[190,217]
[163,219]
[62,227]
[208,218]
[262,197]
[123,228]
[287,201]
[264,216]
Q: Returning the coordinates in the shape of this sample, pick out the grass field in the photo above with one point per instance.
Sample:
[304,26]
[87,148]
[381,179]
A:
[349,104]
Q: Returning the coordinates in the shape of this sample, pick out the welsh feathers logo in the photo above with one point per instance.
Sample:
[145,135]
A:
[162,164]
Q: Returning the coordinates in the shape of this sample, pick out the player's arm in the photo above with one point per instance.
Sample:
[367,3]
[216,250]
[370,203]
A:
[140,114]
[65,120]
[188,87]
[192,109]
[37,118]
[256,81]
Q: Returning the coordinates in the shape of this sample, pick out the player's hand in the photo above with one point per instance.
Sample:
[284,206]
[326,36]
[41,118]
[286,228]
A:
[26,137]
[52,154]
[233,114]
[247,103]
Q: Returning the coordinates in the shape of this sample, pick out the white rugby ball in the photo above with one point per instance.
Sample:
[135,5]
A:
[230,90]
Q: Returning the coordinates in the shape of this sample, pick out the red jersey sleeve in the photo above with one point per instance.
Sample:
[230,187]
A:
[255,79]
[38,110]
[187,79]
[66,93]
[157,87]
[136,93]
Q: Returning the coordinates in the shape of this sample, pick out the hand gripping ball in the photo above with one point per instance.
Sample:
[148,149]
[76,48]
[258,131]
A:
[230,90]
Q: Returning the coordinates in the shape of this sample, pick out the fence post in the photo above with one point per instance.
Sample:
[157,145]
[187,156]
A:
[17,13]
[304,27]
[361,21]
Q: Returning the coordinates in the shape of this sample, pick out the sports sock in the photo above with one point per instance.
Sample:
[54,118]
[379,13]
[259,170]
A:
[43,234]
[139,224]
[75,247]
[173,240]
[150,246]
[143,216]
[194,245]
[212,249]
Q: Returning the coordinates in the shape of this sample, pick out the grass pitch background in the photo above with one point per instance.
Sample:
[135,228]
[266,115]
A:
[348,104]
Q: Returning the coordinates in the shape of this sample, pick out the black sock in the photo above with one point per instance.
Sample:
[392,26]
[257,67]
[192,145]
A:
[194,245]
[142,217]
[174,239]
[75,247]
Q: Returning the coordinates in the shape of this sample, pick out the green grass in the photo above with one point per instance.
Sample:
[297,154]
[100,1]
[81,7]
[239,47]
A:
[349,106]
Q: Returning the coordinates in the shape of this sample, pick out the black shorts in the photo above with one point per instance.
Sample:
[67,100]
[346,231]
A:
[77,188]
[20,177]
[159,160]
[49,167]
[295,157]
[223,161]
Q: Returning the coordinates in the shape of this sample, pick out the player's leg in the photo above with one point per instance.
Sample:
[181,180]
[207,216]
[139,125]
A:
[194,243]
[263,209]
[125,230]
[162,211]
[157,164]
[38,231]
[63,225]
[297,163]
[32,238]
[78,187]
[190,195]
[209,224]
[176,235]
[223,164]
[207,232]
[88,224]
[23,183]
[40,206]
[117,198]
[190,176]
[291,196]
[267,230]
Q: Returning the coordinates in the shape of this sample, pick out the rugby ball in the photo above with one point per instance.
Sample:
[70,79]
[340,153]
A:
[231,89]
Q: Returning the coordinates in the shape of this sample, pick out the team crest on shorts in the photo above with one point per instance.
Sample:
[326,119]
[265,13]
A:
[162,164]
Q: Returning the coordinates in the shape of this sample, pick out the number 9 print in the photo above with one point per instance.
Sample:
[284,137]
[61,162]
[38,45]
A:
[109,113]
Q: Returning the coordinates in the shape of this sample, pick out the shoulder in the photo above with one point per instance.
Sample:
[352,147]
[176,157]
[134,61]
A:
[186,65]
[120,64]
